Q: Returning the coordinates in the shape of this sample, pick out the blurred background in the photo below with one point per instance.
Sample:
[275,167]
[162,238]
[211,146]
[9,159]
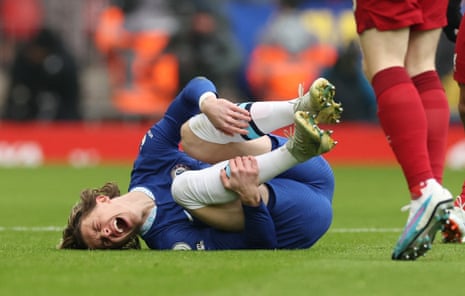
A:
[100,61]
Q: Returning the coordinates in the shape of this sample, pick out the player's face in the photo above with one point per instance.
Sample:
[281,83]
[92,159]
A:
[108,225]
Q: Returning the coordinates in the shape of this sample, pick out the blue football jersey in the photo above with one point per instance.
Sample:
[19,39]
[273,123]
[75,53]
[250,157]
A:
[159,159]
[298,213]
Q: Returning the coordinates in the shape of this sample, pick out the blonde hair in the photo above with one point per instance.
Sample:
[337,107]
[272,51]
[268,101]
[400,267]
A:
[72,237]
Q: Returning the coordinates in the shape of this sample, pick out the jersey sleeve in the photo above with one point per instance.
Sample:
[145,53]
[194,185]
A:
[259,228]
[259,233]
[184,106]
[159,150]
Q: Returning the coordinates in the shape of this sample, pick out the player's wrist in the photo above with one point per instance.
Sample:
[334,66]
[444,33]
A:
[253,201]
[205,98]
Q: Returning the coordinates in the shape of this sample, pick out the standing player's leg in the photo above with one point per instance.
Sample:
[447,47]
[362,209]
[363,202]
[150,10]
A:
[430,201]
[392,55]
[454,230]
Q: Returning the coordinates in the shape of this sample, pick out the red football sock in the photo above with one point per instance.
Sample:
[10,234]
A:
[437,112]
[403,120]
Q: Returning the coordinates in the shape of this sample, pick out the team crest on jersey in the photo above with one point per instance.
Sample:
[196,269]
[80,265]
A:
[178,170]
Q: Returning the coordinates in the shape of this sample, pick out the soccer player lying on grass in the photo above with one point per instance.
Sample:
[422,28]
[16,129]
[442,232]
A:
[272,193]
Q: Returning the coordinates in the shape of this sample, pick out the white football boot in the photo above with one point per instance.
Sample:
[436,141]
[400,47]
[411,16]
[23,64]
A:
[428,214]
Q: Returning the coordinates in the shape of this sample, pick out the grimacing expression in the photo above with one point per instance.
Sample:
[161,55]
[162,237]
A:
[107,226]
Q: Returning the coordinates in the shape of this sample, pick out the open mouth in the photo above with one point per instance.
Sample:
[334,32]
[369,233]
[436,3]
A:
[120,225]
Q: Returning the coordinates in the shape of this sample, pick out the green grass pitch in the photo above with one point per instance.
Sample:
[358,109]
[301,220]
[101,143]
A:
[352,259]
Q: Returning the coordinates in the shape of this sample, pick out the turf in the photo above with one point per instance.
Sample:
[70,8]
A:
[352,259]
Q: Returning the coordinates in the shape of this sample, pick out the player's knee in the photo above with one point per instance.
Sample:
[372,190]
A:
[178,190]
[182,192]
